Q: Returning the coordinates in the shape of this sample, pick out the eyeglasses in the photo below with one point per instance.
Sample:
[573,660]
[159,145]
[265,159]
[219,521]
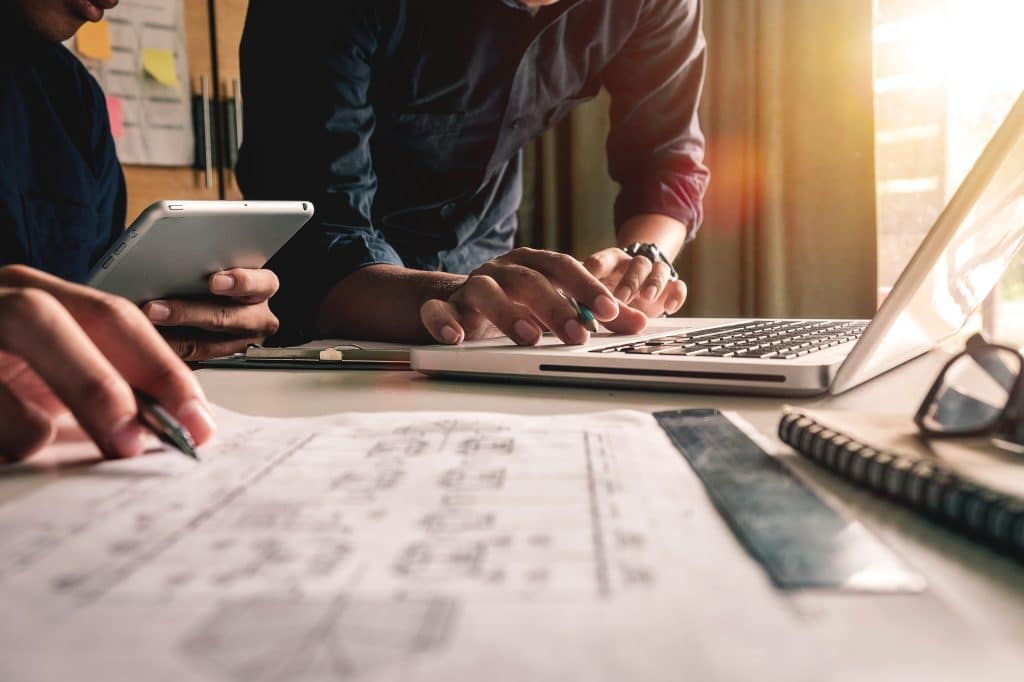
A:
[980,392]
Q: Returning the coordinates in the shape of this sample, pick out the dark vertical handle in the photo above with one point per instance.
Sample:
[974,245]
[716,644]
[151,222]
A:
[236,95]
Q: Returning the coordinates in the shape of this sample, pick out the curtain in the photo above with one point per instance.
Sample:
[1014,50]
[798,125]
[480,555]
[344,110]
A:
[790,213]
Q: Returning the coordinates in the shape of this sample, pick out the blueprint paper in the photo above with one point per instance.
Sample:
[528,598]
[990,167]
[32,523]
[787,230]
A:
[410,546]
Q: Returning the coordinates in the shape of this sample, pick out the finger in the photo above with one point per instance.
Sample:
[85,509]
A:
[36,327]
[629,321]
[24,428]
[28,387]
[674,296]
[130,343]
[195,347]
[570,275]
[533,290]
[441,320]
[484,295]
[656,282]
[250,286]
[225,317]
[638,271]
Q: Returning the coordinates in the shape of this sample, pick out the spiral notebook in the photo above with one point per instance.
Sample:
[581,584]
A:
[968,485]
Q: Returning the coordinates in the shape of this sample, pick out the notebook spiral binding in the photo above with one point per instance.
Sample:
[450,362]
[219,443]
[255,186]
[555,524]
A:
[950,500]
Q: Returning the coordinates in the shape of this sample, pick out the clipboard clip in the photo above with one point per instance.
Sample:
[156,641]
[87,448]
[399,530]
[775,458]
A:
[348,353]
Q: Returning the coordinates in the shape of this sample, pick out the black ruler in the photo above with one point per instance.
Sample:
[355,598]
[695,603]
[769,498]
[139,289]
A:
[800,540]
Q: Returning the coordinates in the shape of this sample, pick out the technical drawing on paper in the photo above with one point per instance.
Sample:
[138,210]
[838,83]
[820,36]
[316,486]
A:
[333,547]
[337,640]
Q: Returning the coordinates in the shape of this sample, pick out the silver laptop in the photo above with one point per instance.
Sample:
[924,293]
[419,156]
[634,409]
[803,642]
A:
[958,264]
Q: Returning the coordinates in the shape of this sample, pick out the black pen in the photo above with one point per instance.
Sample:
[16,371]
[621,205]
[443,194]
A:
[167,428]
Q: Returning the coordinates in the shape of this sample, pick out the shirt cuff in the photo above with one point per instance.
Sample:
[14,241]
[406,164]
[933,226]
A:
[678,198]
[311,265]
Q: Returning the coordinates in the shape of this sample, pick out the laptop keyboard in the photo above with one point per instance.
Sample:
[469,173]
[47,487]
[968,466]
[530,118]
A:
[763,339]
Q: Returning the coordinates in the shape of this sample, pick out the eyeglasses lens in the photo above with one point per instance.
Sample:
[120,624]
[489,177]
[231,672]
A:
[974,391]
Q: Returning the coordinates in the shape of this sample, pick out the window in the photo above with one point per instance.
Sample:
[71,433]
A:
[946,74]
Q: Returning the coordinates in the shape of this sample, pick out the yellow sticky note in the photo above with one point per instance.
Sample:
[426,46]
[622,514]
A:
[161,66]
[93,40]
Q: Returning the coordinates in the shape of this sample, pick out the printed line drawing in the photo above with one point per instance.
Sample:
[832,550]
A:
[366,481]
[438,561]
[336,548]
[481,445]
[406,447]
[334,639]
[457,521]
[463,480]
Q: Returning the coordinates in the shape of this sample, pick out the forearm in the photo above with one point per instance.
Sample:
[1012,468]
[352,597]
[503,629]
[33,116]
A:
[382,302]
[652,228]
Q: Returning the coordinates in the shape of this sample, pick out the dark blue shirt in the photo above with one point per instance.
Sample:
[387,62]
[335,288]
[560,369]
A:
[62,193]
[402,120]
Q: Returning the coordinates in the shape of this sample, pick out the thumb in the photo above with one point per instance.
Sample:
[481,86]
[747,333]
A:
[441,320]
[603,263]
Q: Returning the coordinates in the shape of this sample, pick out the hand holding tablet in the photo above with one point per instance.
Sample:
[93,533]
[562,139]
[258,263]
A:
[196,268]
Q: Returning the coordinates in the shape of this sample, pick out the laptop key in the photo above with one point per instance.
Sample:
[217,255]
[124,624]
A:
[645,351]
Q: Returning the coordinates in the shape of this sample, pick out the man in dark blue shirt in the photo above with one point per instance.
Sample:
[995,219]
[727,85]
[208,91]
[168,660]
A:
[62,193]
[403,120]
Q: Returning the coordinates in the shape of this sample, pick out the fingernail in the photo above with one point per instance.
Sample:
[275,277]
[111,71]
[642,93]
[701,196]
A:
[449,334]
[126,440]
[605,307]
[195,416]
[158,312]
[525,332]
[673,305]
[576,332]
[624,293]
[221,282]
[650,292]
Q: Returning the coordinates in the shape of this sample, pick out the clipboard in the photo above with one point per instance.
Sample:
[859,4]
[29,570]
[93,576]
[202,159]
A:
[345,357]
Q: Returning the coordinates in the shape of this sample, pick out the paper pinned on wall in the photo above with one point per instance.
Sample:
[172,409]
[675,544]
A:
[115,111]
[93,40]
[159,64]
[153,89]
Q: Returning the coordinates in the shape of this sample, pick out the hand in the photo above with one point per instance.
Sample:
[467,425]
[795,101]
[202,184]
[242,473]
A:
[517,295]
[638,282]
[238,315]
[66,347]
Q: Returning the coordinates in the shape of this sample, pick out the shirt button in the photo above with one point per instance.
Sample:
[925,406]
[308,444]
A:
[516,124]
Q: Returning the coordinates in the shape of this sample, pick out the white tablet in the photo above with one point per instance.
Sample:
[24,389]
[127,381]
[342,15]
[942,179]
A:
[173,247]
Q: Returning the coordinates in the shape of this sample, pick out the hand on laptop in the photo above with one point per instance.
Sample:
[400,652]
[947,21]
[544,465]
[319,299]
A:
[69,348]
[517,295]
[638,282]
[238,314]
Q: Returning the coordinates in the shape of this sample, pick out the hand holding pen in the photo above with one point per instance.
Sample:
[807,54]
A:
[70,348]
[519,294]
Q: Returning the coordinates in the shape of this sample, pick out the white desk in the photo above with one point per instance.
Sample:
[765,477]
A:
[968,625]
[972,614]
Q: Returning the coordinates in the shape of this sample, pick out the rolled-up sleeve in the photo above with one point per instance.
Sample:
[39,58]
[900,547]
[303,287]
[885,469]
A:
[306,77]
[656,147]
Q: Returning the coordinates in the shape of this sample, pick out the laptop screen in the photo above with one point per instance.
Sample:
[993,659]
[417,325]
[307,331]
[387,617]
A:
[958,264]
